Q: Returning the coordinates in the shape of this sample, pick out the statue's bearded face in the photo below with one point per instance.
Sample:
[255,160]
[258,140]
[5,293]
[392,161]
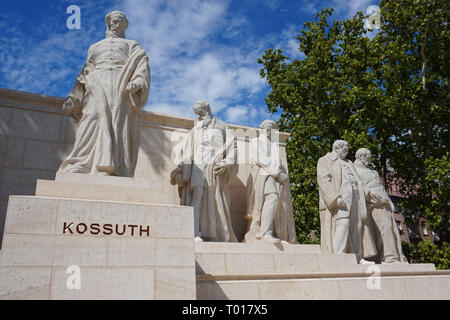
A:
[117,25]
[202,111]
[342,152]
[367,158]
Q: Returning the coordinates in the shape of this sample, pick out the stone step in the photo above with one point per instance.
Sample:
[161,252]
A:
[267,261]
[239,271]
[434,285]
[151,192]
[254,247]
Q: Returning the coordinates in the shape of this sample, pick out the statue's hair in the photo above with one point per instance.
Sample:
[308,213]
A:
[361,153]
[202,105]
[109,16]
[268,124]
[338,144]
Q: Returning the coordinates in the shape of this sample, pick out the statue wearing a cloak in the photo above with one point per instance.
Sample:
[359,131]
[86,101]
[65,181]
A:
[107,100]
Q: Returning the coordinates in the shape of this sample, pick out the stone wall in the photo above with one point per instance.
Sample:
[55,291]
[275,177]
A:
[35,137]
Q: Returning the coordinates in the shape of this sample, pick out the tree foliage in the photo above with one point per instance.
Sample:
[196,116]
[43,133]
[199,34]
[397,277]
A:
[387,92]
[427,252]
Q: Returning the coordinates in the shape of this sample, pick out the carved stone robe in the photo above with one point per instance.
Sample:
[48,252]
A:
[329,180]
[268,166]
[107,137]
[381,212]
[201,149]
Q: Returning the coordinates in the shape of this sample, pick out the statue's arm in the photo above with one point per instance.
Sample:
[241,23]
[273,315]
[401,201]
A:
[73,104]
[379,196]
[227,154]
[139,83]
[326,188]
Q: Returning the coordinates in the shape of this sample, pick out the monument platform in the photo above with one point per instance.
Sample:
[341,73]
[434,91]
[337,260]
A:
[294,271]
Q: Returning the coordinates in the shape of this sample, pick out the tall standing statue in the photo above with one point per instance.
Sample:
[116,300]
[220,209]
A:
[270,204]
[342,205]
[107,100]
[380,208]
[204,168]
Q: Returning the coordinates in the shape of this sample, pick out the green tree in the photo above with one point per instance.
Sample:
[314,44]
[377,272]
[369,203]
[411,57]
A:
[388,93]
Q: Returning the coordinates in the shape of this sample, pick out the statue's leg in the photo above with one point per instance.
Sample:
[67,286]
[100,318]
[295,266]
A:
[268,214]
[326,243]
[342,224]
[340,237]
[269,210]
[197,198]
[355,227]
[383,220]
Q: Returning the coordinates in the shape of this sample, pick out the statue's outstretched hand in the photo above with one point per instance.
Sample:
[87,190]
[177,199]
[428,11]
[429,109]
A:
[135,86]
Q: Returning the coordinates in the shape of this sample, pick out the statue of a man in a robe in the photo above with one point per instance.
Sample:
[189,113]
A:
[269,209]
[107,100]
[205,166]
[380,208]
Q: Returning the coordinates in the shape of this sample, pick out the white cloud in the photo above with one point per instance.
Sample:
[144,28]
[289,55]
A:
[248,115]
[234,114]
[40,59]
[348,8]
[186,61]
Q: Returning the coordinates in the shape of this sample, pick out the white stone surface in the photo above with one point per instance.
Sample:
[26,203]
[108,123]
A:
[31,215]
[175,283]
[344,288]
[248,271]
[106,283]
[25,283]
[163,193]
[159,264]
[266,248]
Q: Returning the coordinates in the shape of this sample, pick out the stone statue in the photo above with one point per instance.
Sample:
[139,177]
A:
[269,204]
[380,208]
[342,206]
[205,165]
[107,100]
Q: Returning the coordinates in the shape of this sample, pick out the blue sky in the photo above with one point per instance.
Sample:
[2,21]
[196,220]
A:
[198,49]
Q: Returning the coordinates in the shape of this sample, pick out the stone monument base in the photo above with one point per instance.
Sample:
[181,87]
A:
[291,271]
[123,250]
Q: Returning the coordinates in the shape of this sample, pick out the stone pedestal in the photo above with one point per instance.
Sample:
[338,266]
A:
[95,187]
[124,250]
[292,271]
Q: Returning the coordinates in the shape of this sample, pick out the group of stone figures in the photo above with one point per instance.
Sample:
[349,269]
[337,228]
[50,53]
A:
[206,164]
[107,99]
[356,213]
